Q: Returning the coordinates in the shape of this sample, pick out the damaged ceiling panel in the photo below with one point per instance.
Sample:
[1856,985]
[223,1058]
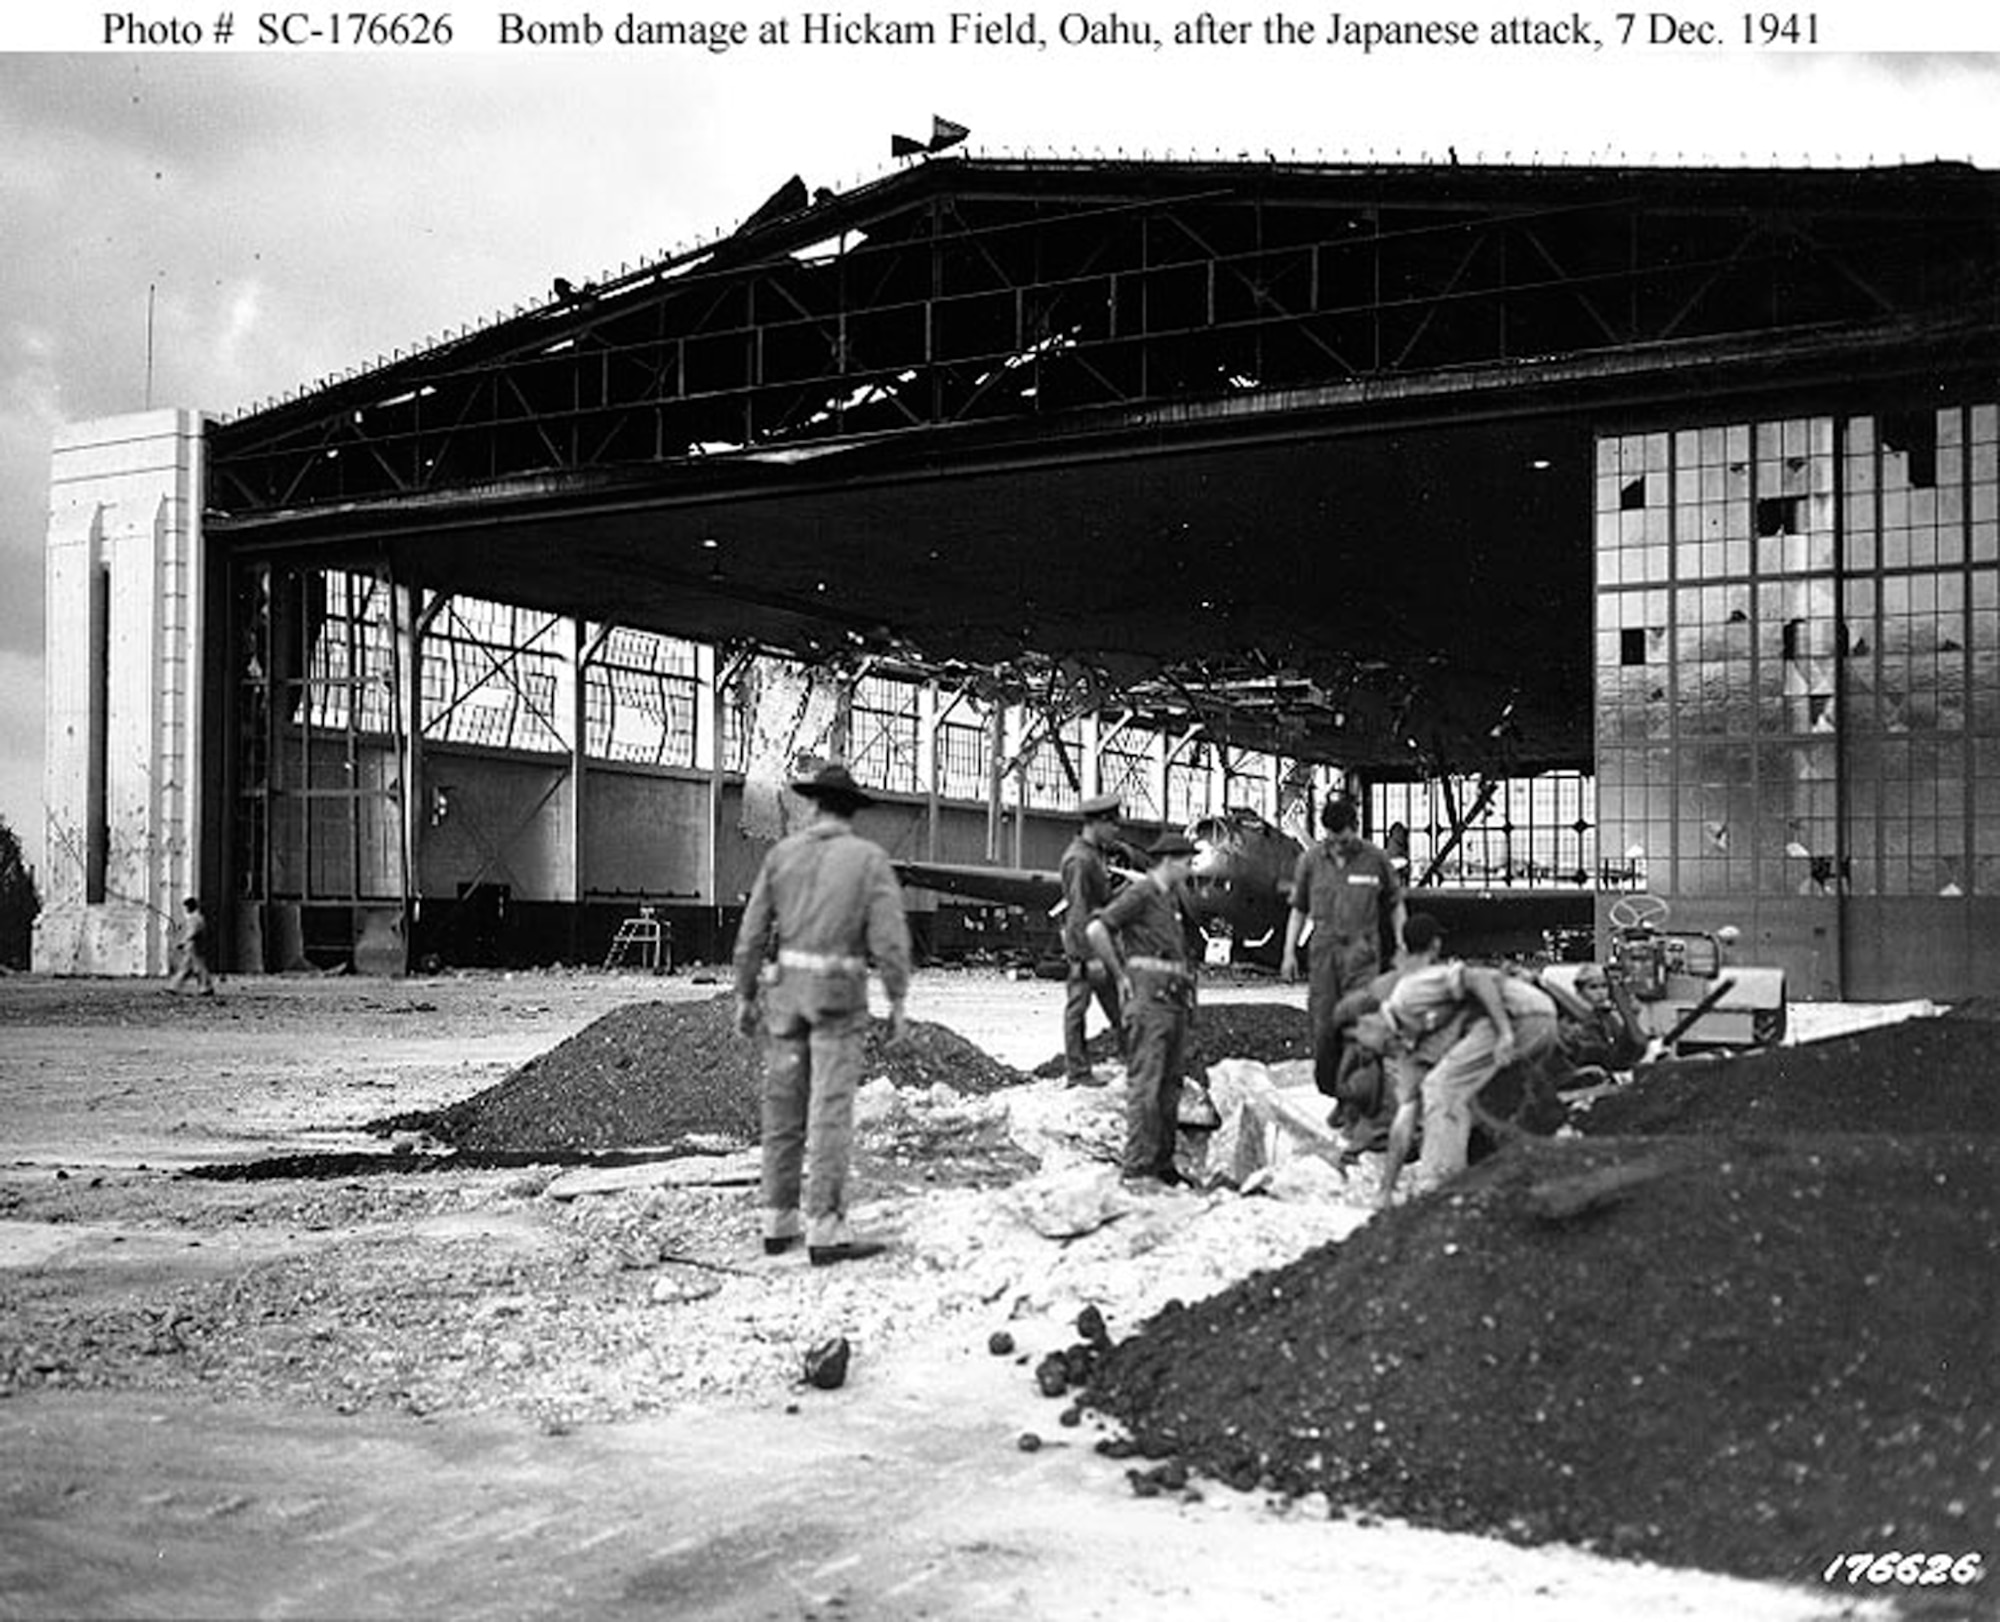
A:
[1300,452]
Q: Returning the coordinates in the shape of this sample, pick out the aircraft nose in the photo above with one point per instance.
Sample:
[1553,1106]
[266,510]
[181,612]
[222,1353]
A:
[1208,854]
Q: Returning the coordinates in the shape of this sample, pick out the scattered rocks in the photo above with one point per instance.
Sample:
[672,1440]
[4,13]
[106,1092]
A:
[826,1363]
[1056,1373]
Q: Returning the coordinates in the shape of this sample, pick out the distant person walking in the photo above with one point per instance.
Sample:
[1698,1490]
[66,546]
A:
[190,950]
[825,905]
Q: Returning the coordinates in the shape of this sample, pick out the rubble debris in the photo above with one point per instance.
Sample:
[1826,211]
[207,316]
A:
[1153,1480]
[1069,1202]
[826,1363]
[1075,1365]
[683,1171]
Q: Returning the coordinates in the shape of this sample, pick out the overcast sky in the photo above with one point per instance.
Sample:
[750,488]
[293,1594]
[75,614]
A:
[296,214]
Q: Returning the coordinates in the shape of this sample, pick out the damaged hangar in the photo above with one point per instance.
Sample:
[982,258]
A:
[1213,483]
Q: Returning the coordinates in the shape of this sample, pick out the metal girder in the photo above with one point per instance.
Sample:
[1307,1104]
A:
[1113,283]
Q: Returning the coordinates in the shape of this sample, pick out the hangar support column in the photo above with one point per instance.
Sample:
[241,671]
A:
[121,779]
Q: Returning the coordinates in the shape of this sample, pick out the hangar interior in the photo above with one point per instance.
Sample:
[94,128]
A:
[1609,527]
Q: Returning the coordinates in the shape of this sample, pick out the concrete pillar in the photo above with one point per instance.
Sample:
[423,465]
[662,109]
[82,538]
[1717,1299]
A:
[123,637]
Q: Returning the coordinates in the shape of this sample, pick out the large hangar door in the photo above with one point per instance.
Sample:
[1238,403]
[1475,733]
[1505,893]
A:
[317,858]
[1797,672]
[1718,684]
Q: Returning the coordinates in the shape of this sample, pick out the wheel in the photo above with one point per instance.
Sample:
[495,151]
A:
[1640,911]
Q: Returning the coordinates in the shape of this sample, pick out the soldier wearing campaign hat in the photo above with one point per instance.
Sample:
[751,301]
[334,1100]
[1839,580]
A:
[1141,938]
[825,907]
[1087,886]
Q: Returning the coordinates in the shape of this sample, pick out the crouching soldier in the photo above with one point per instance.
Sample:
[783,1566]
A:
[1353,1073]
[1450,1029]
[1141,938]
[1598,1028]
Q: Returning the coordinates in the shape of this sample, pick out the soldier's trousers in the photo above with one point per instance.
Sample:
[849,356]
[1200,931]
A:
[1155,1047]
[811,1071]
[1450,1086]
[1085,981]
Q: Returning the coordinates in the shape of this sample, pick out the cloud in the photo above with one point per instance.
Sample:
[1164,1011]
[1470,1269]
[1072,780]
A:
[30,412]
[21,750]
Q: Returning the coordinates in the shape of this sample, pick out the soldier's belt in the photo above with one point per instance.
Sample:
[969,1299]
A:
[1158,965]
[821,962]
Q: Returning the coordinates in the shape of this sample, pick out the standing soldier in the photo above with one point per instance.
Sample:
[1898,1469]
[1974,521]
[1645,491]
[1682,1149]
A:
[1086,886]
[1349,890]
[1141,939]
[824,906]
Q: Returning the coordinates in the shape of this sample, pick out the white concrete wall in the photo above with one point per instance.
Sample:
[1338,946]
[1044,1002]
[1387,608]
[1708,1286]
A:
[125,495]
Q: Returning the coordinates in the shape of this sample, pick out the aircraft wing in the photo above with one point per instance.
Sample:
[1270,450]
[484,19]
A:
[1011,886]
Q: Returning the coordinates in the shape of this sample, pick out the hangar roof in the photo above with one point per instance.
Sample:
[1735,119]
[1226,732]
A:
[1302,451]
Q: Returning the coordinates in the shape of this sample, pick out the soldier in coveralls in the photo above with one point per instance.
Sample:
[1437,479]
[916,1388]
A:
[1349,890]
[1451,1027]
[1086,885]
[825,905]
[1141,938]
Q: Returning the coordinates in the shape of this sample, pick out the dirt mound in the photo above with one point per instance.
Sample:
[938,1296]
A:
[659,1073]
[1751,1357]
[1749,1323]
[1268,1032]
[1920,1075]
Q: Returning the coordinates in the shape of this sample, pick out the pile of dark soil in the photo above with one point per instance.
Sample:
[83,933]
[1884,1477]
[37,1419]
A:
[1749,1354]
[1920,1075]
[657,1074]
[1267,1032]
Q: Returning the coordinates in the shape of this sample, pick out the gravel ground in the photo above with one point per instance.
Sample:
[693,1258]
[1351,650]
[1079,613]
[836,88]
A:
[1789,1335]
[474,1291]
[412,1282]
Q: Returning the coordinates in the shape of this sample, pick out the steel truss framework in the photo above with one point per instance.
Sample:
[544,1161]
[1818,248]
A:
[980,291]
[327,741]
